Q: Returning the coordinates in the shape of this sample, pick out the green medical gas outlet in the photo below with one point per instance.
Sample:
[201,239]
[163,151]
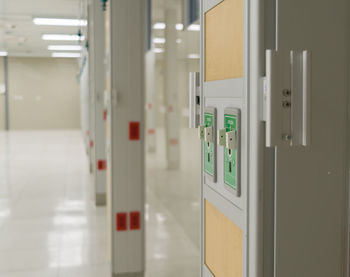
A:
[232,150]
[210,143]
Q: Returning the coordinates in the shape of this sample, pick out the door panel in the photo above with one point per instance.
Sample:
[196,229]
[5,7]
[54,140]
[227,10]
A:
[311,182]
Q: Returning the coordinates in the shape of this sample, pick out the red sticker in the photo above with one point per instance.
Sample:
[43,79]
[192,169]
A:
[91,143]
[105,115]
[151,131]
[101,164]
[87,133]
[149,106]
[121,222]
[173,141]
[134,130]
[135,221]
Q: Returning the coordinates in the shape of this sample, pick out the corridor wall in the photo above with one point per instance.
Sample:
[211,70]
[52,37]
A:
[44,93]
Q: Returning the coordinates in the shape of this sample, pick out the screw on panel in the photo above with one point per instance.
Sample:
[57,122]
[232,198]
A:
[287,137]
[286,104]
[286,92]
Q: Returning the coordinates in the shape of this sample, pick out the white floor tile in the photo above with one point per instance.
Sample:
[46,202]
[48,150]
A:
[49,225]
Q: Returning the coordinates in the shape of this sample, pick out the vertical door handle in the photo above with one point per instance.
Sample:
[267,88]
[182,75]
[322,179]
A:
[301,97]
[288,98]
[194,99]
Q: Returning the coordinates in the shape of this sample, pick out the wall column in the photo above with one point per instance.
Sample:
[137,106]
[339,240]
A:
[98,113]
[172,131]
[127,181]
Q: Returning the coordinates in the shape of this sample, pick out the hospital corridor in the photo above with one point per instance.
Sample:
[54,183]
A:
[174,138]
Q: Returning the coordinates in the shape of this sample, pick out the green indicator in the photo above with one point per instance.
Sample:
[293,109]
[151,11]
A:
[230,171]
[209,147]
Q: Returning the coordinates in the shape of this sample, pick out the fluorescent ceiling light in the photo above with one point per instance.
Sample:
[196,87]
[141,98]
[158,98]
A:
[193,56]
[62,37]
[3,53]
[194,27]
[59,21]
[158,50]
[64,47]
[179,26]
[159,26]
[158,40]
[65,55]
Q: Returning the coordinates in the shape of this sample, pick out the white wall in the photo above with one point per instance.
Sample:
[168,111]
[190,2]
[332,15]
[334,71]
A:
[44,93]
[2,96]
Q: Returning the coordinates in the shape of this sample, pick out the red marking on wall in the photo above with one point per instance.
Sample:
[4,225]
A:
[135,223]
[101,164]
[151,131]
[121,222]
[91,143]
[150,106]
[134,130]
[105,115]
[87,133]
[174,141]
[170,109]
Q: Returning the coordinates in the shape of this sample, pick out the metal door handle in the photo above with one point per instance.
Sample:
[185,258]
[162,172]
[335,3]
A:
[288,98]
[194,100]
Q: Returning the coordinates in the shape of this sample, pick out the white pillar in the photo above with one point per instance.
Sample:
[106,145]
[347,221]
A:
[127,54]
[172,132]
[91,132]
[98,114]
[150,102]
[84,100]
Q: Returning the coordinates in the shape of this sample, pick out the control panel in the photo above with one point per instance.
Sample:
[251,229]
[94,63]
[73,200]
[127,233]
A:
[207,132]
[229,138]
[232,150]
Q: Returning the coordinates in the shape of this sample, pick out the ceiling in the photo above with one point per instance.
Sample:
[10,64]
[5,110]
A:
[21,37]
[189,40]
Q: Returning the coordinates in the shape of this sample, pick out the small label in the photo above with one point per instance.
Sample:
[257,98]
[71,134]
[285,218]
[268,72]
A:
[91,143]
[101,164]
[134,131]
[151,131]
[135,221]
[121,222]
[105,115]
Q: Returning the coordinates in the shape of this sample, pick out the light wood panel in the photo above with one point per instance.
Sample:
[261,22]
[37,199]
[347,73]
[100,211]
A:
[224,40]
[223,244]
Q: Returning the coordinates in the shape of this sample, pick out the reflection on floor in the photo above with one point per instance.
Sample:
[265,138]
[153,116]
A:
[49,226]
[173,202]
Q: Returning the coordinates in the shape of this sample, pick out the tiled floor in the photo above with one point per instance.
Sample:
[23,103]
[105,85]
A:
[49,226]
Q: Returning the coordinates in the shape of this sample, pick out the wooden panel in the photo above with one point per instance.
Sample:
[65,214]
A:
[223,244]
[224,40]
